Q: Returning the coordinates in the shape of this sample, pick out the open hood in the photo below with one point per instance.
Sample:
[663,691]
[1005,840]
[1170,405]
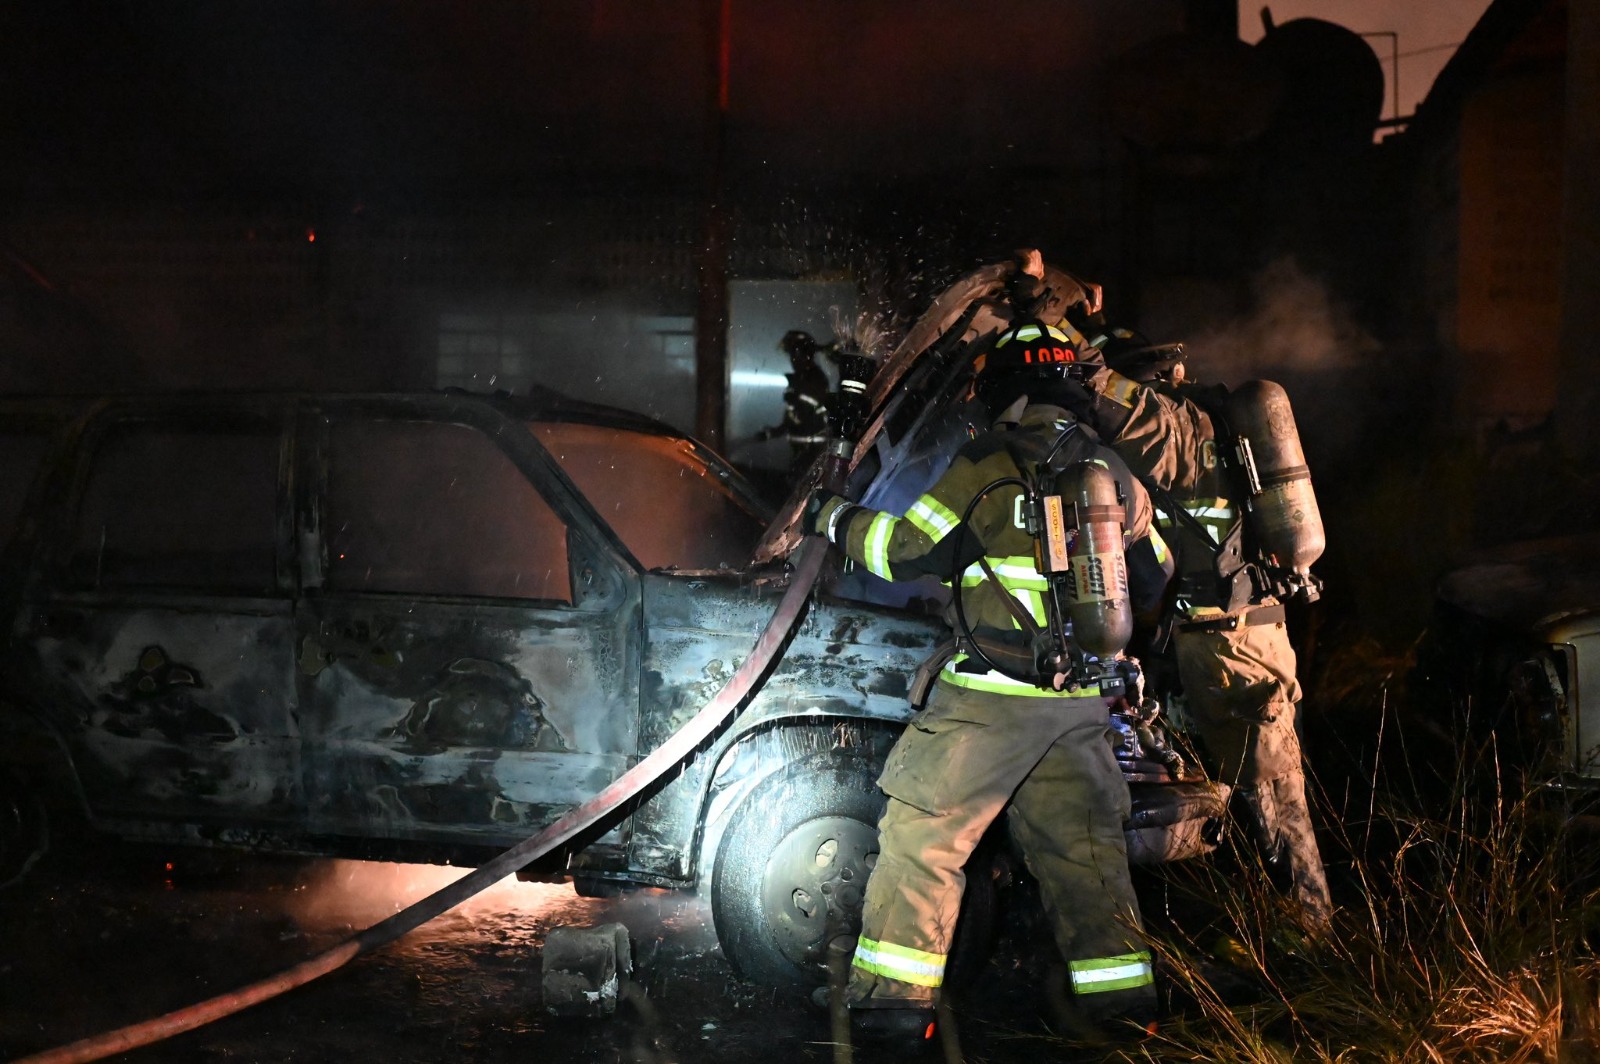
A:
[920,410]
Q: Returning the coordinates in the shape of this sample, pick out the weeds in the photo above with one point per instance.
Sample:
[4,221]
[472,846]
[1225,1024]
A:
[1467,928]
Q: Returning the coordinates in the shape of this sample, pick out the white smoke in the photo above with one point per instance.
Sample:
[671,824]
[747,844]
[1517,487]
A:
[1295,326]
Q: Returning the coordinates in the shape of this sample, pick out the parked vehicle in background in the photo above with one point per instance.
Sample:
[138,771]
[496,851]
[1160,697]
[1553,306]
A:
[1514,651]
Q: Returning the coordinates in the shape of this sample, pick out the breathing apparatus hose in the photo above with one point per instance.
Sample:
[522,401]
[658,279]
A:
[1031,490]
[768,646]
[955,581]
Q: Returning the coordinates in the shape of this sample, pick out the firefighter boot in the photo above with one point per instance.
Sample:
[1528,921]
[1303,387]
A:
[903,1024]
[1063,1012]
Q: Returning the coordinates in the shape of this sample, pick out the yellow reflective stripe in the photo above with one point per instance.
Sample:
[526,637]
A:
[1063,330]
[1099,975]
[876,548]
[1119,389]
[899,962]
[1158,544]
[1016,573]
[999,683]
[1034,601]
[1064,333]
[1217,515]
[934,518]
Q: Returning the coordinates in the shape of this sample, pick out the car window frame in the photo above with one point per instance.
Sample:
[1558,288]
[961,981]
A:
[595,540]
[727,478]
[88,437]
[59,423]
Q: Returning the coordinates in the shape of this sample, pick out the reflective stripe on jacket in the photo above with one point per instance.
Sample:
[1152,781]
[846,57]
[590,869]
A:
[930,538]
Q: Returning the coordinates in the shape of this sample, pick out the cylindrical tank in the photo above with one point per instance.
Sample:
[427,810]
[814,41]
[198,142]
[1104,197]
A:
[1097,596]
[1333,84]
[1283,512]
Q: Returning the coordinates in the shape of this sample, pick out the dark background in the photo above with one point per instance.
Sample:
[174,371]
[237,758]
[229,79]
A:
[394,196]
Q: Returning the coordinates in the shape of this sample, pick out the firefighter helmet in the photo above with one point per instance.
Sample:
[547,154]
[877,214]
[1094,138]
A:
[1026,358]
[1131,354]
[799,345]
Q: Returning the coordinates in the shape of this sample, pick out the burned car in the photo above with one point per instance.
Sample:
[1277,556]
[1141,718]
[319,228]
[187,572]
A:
[409,627]
[1512,650]
[423,627]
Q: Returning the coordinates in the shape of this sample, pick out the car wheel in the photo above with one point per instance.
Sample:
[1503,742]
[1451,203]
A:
[792,870]
[24,829]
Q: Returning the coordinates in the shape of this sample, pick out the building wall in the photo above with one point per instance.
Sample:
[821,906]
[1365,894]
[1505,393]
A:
[1510,248]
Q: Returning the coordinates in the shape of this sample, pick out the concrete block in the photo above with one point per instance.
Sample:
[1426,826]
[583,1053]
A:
[583,968]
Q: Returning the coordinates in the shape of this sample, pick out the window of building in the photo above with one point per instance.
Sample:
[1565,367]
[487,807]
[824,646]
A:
[429,508]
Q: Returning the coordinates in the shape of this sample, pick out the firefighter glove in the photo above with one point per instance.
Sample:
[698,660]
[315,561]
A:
[823,510]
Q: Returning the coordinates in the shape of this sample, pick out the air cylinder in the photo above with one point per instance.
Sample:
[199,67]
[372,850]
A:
[1097,567]
[1283,511]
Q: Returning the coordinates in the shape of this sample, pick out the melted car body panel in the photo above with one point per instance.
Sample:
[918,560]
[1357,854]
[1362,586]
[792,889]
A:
[483,720]
[845,660]
[176,711]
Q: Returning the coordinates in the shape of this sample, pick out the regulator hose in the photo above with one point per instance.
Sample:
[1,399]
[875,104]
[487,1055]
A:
[957,573]
[678,746]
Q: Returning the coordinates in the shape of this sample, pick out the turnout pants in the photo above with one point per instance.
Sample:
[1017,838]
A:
[1241,695]
[952,772]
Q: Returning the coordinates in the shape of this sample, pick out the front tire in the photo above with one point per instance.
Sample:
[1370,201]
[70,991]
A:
[791,874]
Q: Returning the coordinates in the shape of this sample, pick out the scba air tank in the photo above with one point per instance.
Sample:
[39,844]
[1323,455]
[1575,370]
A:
[1283,511]
[1095,567]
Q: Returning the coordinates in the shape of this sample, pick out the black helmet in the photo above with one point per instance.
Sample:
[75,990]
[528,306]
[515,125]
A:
[1029,358]
[1132,355]
[797,343]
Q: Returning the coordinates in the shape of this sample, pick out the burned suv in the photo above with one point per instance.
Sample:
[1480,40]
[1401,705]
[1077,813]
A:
[423,628]
[412,627]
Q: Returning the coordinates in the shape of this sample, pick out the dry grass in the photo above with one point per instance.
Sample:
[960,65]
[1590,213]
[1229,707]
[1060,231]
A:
[1467,930]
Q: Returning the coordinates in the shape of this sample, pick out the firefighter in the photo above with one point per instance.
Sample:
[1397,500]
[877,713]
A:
[805,402]
[1234,659]
[990,739]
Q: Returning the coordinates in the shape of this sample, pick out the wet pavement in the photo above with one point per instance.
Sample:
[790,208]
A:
[88,947]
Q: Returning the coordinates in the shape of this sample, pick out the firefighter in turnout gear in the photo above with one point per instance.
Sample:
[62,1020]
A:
[990,738]
[1234,658]
[805,402]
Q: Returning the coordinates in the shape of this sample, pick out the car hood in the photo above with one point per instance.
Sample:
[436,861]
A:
[920,410]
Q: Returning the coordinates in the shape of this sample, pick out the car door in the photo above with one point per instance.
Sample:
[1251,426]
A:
[158,634]
[469,642]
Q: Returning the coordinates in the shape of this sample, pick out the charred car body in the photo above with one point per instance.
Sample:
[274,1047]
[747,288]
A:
[423,627]
[1513,651]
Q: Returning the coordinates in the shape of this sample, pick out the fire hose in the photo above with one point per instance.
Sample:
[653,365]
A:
[677,747]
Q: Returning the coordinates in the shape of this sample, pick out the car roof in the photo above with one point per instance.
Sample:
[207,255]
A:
[540,404]
[1531,584]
